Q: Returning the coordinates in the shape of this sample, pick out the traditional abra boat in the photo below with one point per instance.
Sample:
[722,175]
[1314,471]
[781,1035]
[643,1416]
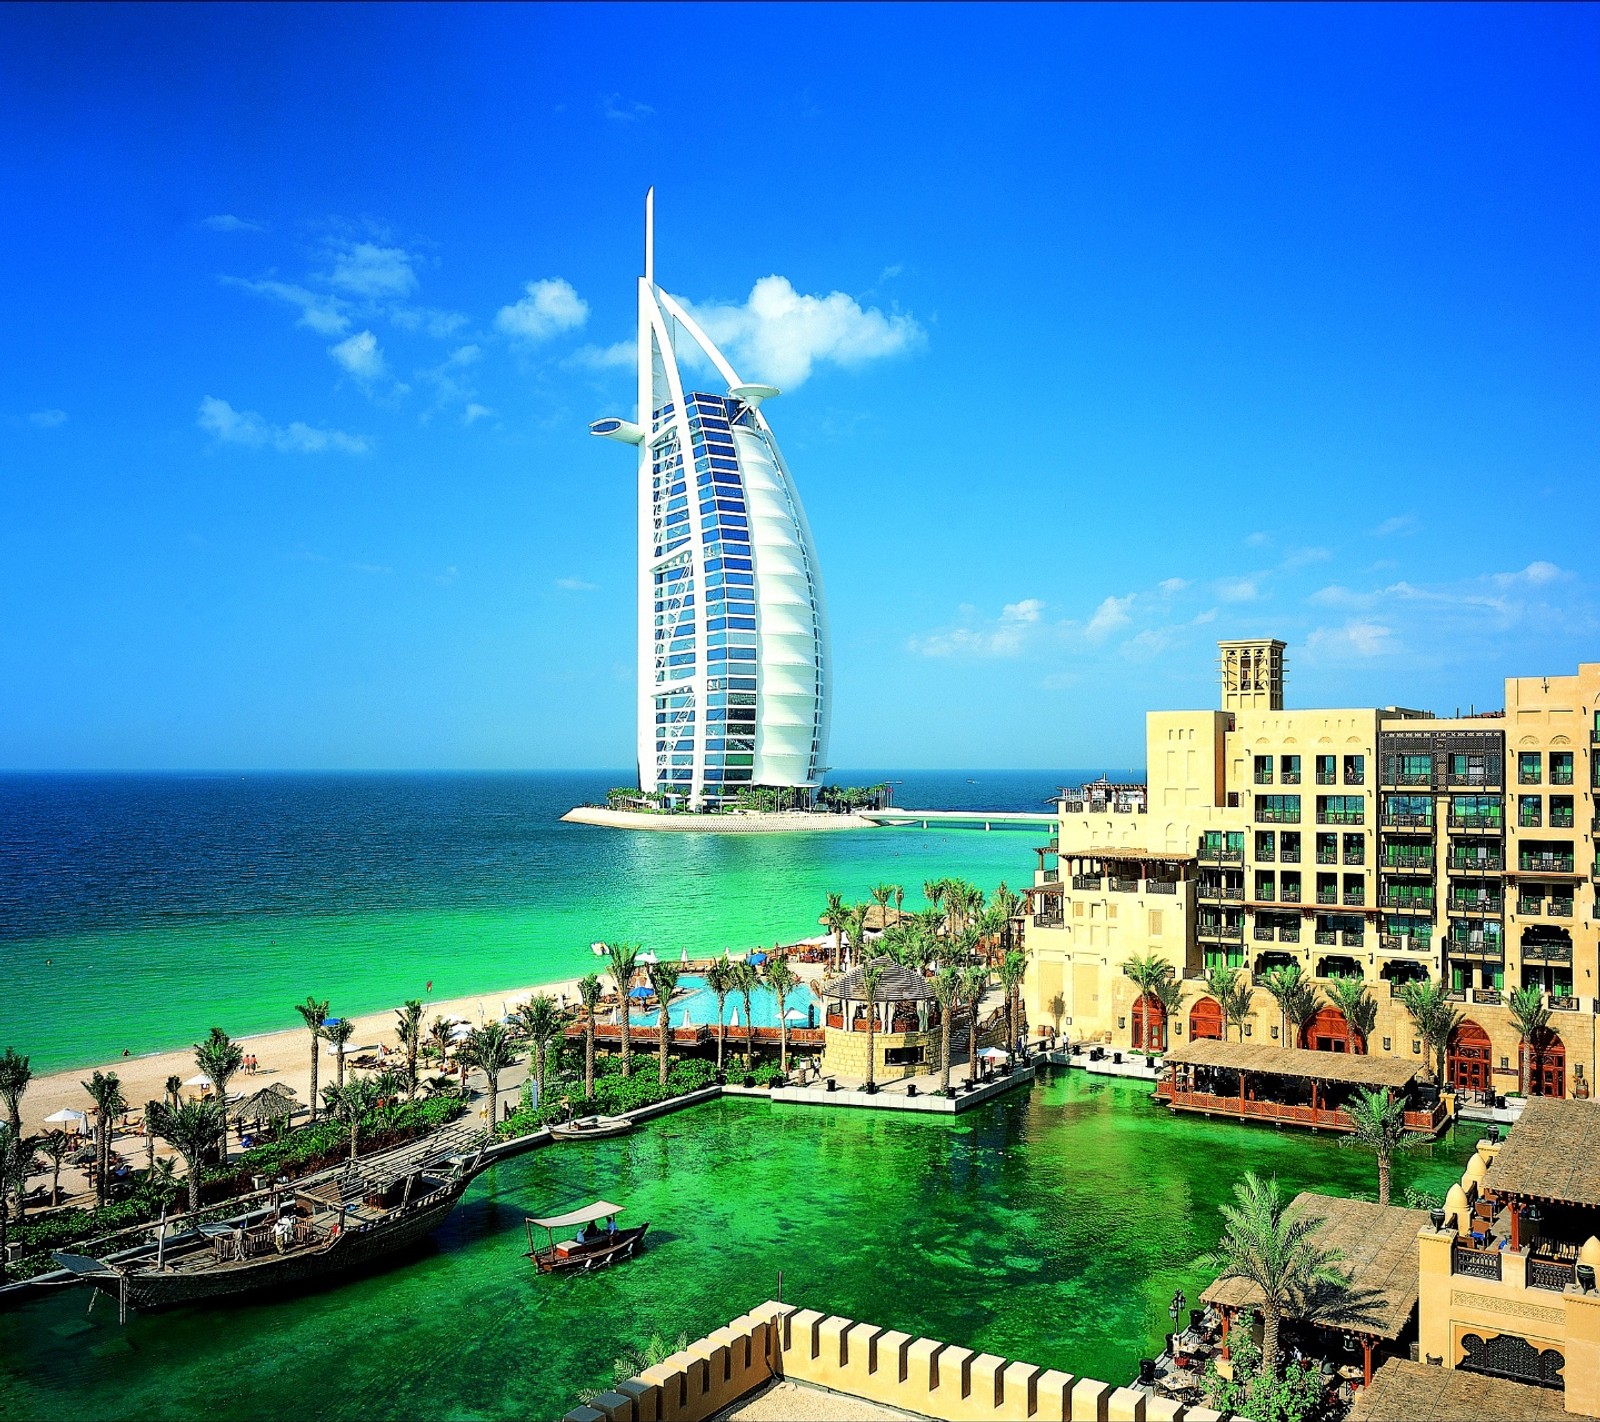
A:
[592,1128]
[301,1233]
[592,1248]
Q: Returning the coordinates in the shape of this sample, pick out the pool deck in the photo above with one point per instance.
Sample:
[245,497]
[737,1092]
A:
[895,1096]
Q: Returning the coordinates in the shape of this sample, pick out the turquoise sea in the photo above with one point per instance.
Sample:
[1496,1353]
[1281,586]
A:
[136,911]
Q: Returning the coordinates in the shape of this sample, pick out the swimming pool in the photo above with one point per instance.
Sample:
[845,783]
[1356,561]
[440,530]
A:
[700,1005]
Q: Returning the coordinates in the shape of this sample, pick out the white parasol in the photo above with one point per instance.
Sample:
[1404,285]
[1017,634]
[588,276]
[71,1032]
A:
[686,1022]
[67,1117]
[684,957]
[648,957]
[794,1014]
[201,1080]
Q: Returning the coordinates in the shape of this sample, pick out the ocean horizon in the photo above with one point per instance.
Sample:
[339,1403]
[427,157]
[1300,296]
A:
[140,908]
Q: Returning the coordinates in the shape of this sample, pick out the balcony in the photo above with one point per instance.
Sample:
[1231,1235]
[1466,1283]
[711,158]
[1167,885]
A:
[1462,901]
[1404,943]
[1123,886]
[1477,821]
[1261,933]
[1223,932]
[1355,777]
[1161,886]
[1265,893]
[1329,897]
[1327,777]
[1355,898]
[1353,937]
[1529,777]
[1476,862]
[1410,778]
[1217,854]
[1552,1274]
[1263,777]
[1407,863]
[1289,856]
[1270,815]
[1561,819]
[1327,856]
[1546,952]
[1530,819]
[1264,855]
[1091,882]
[1048,919]
[1355,858]
[1289,933]
[1562,776]
[1325,938]
[1288,895]
[1475,945]
[1473,1263]
[1406,903]
[1400,820]
[1340,817]
[1472,777]
[1290,777]
[1544,863]
[1052,876]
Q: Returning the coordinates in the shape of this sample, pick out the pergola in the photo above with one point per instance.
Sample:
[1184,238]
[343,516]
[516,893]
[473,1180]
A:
[898,987]
[1552,1157]
[1378,1249]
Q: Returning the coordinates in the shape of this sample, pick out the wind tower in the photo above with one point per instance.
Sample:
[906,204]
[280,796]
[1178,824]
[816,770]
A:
[734,674]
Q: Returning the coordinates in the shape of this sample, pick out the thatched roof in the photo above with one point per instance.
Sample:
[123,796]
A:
[899,984]
[1296,1062]
[1552,1153]
[1403,1391]
[876,920]
[269,1104]
[1379,1245]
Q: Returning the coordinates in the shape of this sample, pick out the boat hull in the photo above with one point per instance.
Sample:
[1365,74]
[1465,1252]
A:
[623,1247]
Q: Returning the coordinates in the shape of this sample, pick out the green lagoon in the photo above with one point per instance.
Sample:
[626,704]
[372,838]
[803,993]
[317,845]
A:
[1051,1226]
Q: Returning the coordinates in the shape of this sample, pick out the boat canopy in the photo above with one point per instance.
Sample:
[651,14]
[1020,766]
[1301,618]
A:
[587,1215]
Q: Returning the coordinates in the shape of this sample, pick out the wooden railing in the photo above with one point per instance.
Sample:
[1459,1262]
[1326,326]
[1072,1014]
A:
[1425,1122]
[1474,1263]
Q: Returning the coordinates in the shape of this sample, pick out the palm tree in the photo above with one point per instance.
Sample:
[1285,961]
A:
[899,900]
[15,1074]
[149,1138]
[664,981]
[1531,1018]
[1282,983]
[1282,1259]
[974,983]
[871,977]
[1169,993]
[933,892]
[1301,1006]
[106,1092]
[408,1028]
[313,1013]
[353,1101]
[858,932]
[1147,972]
[744,983]
[55,1146]
[441,1033]
[719,978]
[190,1129]
[1380,1126]
[542,1024]
[783,980]
[624,964]
[1013,968]
[946,988]
[1233,995]
[174,1091]
[881,894]
[1433,1016]
[491,1050]
[17,1163]
[837,919]
[220,1057]
[1354,1003]
[340,1033]
[590,991]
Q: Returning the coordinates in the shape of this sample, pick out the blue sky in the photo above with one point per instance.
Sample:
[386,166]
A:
[1103,332]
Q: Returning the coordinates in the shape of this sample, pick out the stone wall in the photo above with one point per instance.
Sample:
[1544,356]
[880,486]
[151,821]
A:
[862,1360]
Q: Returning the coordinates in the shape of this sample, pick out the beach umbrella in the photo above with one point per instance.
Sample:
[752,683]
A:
[995,1054]
[78,1120]
[598,949]
[734,1020]
[684,957]
[758,958]
[639,992]
[201,1080]
[686,1022]
[331,1021]
[648,957]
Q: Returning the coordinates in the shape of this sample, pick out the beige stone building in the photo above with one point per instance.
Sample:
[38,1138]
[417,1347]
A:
[1378,842]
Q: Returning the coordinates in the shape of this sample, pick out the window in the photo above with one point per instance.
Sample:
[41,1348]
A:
[1355,849]
[1561,815]
[1408,810]
[1341,809]
[1467,769]
[1265,845]
[1411,769]
[1263,770]
[1289,846]
[1530,811]
[1327,849]
[1355,770]
[1266,884]
[1277,809]
[1561,767]
[1325,770]
[1476,811]
[1289,769]
[1530,768]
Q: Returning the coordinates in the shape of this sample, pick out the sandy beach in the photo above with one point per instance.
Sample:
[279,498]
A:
[790,822]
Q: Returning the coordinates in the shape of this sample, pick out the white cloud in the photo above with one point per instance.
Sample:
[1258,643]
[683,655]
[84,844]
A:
[620,110]
[227,222]
[1400,523]
[576,585]
[1169,587]
[319,311]
[474,412]
[428,319]
[245,427]
[620,356]
[360,356]
[549,307]
[1358,638]
[1004,636]
[1537,574]
[1111,616]
[369,270]
[889,273]
[778,334]
[47,419]
[465,355]
[1238,590]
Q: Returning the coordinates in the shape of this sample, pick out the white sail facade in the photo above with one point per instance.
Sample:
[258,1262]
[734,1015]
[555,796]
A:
[734,672]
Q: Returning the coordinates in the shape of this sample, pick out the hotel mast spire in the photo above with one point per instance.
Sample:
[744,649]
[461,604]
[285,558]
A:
[650,235]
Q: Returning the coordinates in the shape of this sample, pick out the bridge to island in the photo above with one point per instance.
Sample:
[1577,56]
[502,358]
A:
[962,819]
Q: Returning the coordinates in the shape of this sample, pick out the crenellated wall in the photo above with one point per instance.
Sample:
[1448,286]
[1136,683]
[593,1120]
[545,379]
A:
[917,1375]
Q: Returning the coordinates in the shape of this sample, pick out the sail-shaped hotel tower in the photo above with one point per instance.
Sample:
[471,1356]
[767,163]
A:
[734,675]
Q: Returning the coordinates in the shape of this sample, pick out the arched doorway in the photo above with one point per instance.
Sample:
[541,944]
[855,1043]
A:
[1205,1020]
[1547,1065]
[1327,1032]
[1467,1060]
[1149,1025]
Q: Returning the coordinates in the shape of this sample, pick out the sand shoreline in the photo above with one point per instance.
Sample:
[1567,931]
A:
[790,822]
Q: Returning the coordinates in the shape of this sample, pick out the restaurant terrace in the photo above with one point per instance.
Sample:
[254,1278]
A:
[1403,1391]
[1289,1085]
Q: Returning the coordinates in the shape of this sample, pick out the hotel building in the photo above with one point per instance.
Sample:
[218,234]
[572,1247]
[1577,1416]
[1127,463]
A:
[1377,842]
[733,667]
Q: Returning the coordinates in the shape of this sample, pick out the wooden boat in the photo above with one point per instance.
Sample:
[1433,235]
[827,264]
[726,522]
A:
[592,1128]
[590,1249]
[325,1224]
